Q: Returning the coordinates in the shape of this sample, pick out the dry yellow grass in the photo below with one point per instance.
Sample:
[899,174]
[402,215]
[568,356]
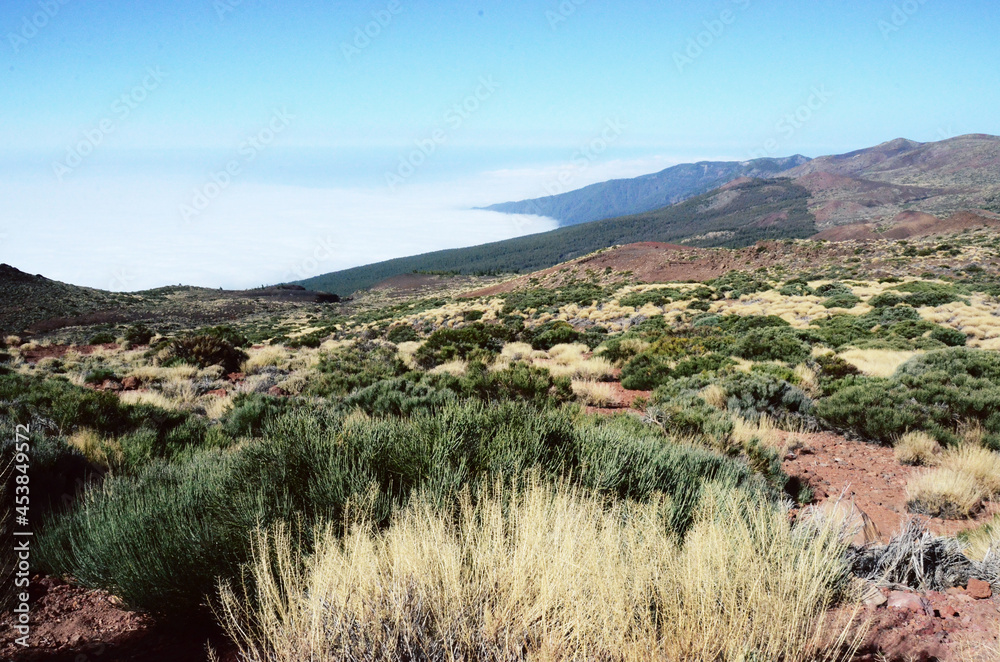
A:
[763,429]
[982,464]
[547,574]
[714,395]
[406,351]
[12,341]
[808,380]
[917,448]
[272,355]
[944,492]
[90,444]
[595,394]
[455,368]
[877,362]
[147,398]
[216,407]
[570,360]
[152,373]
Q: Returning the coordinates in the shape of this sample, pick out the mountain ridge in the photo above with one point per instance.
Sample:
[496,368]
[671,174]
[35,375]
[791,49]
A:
[636,195]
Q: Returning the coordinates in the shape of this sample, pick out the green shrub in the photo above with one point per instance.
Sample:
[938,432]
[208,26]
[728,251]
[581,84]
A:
[738,283]
[753,395]
[401,333]
[833,290]
[771,344]
[138,334]
[99,376]
[933,392]
[162,540]
[250,412]
[204,351]
[225,333]
[552,333]
[474,315]
[842,301]
[660,296]
[102,338]
[950,337]
[356,367]
[645,372]
[448,344]
[796,287]
[699,304]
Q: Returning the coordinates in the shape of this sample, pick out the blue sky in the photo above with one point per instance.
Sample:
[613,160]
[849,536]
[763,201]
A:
[129,102]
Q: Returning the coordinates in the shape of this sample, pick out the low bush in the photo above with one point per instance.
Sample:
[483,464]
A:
[771,344]
[469,341]
[204,351]
[102,338]
[358,366]
[138,334]
[551,334]
[930,392]
[161,539]
[402,333]
[752,396]
[99,376]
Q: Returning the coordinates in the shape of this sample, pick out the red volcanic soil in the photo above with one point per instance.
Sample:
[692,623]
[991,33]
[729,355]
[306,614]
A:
[911,224]
[72,624]
[649,261]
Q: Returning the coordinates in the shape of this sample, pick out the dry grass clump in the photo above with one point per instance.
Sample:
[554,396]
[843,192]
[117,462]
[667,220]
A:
[519,351]
[877,362]
[944,492]
[147,398]
[454,368]
[714,395]
[217,407]
[90,444]
[406,351]
[982,464]
[152,373]
[763,429]
[12,341]
[270,356]
[808,380]
[918,449]
[957,487]
[550,573]
[571,360]
[595,394]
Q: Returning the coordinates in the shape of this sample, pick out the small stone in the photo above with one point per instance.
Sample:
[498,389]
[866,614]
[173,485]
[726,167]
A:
[979,589]
[904,600]
[277,391]
[131,383]
[873,597]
